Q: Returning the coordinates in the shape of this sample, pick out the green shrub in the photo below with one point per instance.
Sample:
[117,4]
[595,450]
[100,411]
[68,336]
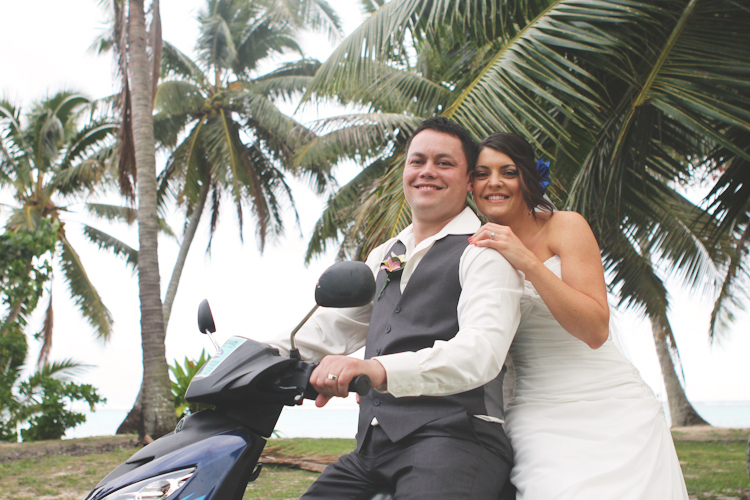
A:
[181,377]
[41,403]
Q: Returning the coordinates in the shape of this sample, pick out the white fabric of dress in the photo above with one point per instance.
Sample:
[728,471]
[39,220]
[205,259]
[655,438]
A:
[582,422]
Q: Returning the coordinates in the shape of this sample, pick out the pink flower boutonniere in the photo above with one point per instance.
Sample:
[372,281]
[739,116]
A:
[393,266]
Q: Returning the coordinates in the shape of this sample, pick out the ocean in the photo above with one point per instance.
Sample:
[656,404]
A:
[341,421]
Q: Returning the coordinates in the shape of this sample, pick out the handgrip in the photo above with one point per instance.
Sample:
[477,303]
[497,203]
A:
[360,384]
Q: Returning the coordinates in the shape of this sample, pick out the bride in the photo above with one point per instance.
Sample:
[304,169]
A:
[582,422]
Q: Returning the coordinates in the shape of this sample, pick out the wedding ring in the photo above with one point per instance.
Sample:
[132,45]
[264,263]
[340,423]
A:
[492,236]
[333,377]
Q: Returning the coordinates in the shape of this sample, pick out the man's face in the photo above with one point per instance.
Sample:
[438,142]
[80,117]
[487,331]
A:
[436,177]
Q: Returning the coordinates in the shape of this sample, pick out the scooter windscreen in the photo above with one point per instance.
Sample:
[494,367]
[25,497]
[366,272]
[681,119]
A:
[245,370]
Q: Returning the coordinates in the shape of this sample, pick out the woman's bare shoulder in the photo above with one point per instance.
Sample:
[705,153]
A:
[567,220]
[567,227]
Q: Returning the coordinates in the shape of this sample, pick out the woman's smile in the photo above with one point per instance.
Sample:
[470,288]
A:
[497,186]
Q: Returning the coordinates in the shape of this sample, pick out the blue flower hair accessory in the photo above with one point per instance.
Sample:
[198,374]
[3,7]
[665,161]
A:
[543,168]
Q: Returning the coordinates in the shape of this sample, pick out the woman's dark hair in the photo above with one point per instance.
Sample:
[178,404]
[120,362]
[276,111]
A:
[520,151]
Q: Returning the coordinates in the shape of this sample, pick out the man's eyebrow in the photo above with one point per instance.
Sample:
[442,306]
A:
[445,155]
[439,155]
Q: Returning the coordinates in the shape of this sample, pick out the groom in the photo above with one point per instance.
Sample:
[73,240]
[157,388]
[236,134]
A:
[435,340]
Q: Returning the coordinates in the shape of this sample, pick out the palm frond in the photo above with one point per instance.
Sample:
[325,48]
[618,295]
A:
[108,242]
[354,136]
[633,277]
[112,213]
[317,15]
[65,369]
[215,44]
[261,39]
[84,294]
[733,293]
[46,334]
[178,97]
[336,221]
[176,63]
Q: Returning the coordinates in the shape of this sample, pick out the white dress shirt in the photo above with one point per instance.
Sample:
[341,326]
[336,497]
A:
[488,316]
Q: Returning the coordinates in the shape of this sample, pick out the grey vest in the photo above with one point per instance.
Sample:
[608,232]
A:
[424,313]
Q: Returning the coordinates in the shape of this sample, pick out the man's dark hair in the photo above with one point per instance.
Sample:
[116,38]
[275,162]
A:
[446,126]
[520,151]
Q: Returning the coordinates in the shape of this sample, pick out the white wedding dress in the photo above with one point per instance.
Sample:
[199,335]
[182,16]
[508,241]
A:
[582,422]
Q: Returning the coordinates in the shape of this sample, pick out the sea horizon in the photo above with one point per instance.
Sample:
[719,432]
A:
[340,420]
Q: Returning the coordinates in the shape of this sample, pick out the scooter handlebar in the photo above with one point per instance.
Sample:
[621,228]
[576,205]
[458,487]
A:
[360,384]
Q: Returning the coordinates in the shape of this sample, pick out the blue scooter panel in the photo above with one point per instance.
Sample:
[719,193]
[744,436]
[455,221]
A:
[222,450]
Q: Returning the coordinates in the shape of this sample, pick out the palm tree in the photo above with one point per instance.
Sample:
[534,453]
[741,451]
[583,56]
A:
[625,97]
[219,118]
[139,68]
[50,155]
[138,52]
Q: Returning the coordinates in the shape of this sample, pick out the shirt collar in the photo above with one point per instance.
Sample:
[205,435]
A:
[465,222]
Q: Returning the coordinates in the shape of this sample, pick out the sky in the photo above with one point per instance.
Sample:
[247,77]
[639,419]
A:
[251,294]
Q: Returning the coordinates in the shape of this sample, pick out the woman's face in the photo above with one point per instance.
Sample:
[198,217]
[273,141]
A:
[497,187]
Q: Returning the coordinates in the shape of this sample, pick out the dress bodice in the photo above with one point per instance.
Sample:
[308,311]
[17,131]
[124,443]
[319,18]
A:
[553,365]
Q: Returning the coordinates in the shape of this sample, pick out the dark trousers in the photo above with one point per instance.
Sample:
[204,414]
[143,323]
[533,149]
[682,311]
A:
[425,465]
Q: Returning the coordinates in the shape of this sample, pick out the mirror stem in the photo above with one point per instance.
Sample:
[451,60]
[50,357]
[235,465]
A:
[296,329]
[216,344]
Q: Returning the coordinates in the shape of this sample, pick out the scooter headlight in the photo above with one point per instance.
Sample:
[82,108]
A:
[154,488]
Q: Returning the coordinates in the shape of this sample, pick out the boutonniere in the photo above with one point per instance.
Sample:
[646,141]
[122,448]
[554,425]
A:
[393,266]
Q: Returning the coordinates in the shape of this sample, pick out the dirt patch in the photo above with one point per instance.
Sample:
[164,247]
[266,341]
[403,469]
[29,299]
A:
[725,495]
[72,447]
[313,463]
[708,433]
[77,447]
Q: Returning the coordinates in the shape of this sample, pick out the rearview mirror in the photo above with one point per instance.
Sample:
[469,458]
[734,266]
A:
[345,284]
[205,318]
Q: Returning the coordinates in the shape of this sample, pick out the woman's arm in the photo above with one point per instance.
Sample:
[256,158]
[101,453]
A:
[578,301]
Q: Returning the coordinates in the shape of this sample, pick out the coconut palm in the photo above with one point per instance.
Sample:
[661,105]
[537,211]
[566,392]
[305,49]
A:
[625,97]
[218,116]
[57,151]
[138,53]
[244,33]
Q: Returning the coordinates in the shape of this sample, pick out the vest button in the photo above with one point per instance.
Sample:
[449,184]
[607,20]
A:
[388,329]
[397,310]
[376,402]
[377,353]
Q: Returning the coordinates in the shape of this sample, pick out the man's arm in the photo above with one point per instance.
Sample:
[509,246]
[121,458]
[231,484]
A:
[334,331]
[488,316]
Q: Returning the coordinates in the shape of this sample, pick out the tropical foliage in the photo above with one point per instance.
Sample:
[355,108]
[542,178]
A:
[182,375]
[218,116]
[627,98]
[56,152]
[40,401]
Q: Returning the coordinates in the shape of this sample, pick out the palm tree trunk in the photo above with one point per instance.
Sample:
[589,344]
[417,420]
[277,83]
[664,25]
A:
[682,412]
[187,240]
[158,408]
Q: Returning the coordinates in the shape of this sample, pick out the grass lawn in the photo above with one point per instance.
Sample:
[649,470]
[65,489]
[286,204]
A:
[714,467]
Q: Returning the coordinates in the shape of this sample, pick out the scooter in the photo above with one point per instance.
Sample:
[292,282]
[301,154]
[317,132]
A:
[214,454]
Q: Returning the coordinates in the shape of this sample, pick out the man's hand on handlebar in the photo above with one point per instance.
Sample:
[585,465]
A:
[332,376]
